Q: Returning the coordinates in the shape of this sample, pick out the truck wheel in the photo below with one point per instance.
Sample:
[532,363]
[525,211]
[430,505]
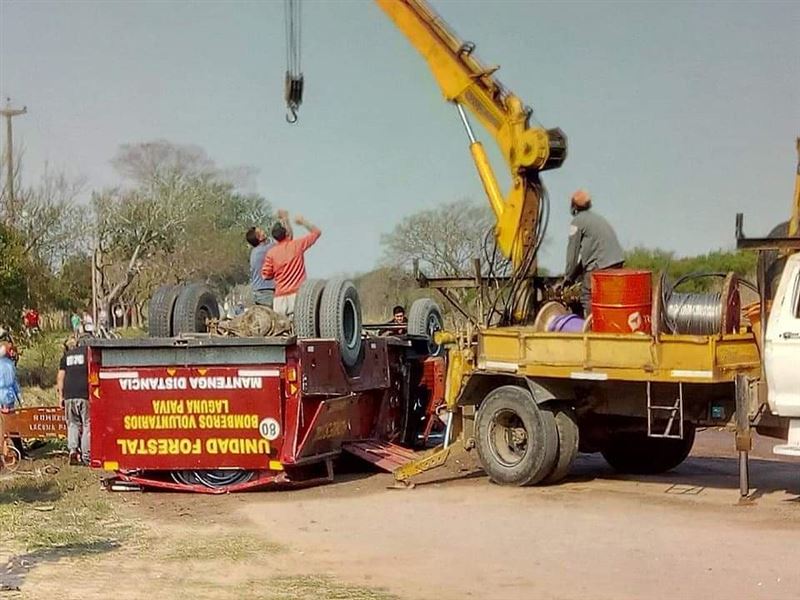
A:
[159,313]
[194,305]
[635,453]
[567,427]
[771,263]
[425,319]
[306,308]
[340,319]
[517,442]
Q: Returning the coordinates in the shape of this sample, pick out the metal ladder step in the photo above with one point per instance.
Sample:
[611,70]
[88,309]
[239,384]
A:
[676,410]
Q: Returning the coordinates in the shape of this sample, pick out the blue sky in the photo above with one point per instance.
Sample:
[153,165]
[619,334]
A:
[678,114]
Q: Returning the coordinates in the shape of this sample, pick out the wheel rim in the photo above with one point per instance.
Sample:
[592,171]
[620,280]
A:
[508,438]
[433,325]
[350,330]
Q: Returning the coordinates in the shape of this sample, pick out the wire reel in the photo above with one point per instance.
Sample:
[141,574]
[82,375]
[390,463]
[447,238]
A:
[709,313]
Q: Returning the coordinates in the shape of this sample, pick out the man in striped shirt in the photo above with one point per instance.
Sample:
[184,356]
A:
[285,263]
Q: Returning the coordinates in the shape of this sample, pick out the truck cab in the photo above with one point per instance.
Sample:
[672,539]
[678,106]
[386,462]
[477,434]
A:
[781,353]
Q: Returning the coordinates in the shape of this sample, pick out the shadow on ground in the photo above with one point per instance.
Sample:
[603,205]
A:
[44,490]
[698,473]
[16,569]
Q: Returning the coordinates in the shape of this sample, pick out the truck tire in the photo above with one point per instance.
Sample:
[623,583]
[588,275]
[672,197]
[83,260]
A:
[637,454]
[771,263]
[194,305]
[425,319]
[340,319]
[159,313]
[306,308]
[517,442]
[568,439]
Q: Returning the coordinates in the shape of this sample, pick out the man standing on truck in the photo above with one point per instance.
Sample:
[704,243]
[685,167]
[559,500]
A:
[592,246]
[285,263]
[72,385]
[263,289]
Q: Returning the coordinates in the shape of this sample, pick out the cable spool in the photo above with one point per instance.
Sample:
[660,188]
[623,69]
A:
[713,313]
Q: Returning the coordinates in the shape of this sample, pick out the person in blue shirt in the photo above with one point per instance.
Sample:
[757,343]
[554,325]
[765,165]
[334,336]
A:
[263,289]
[10,392]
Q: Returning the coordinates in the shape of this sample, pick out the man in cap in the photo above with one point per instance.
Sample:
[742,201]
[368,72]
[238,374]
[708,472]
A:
[72,385]
[592,246]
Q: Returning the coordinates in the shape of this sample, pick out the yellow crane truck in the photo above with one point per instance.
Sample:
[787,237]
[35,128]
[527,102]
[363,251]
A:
[526,398]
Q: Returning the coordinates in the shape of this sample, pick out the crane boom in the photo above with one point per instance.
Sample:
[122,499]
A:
[527,150]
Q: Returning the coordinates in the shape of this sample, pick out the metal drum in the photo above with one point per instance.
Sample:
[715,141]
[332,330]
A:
[621,301]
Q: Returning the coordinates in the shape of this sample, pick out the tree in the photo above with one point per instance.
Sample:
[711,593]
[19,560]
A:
[743,263]
[51,221]
[13,275]
[444,239]
[181,220]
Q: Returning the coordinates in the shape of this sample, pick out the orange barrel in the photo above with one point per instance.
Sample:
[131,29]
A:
[621,301]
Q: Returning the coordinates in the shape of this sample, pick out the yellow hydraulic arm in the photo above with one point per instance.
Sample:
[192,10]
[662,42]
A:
[469,84]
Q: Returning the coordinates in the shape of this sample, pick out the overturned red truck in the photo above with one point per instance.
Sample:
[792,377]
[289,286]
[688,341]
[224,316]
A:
[187,410]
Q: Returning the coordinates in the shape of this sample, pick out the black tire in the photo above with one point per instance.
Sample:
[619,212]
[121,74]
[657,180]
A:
[159,313]
[425,319]
[340,319]
[306,308]
[637,454]
[195,304]
[520,461]
[568,441]
[771,263]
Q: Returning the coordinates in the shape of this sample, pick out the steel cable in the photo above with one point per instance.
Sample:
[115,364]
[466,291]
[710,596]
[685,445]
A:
[695,313]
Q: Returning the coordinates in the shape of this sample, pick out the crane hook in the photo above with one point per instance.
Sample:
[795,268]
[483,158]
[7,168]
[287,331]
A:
[293,93]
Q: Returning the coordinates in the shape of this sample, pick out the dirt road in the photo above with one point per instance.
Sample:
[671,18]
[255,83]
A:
[597,536]
[684,535]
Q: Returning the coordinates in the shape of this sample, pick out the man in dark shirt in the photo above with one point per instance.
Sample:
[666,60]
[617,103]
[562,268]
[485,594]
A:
[593,246]
[73,393]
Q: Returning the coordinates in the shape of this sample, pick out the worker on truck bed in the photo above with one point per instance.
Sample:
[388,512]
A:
[285,263]
[263,289]
[593,246]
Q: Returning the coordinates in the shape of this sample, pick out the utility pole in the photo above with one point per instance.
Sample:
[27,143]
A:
[9,113]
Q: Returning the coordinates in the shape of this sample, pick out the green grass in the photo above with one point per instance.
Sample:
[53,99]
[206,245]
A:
[308,587]
[38,363]
[239,547]
[64,510]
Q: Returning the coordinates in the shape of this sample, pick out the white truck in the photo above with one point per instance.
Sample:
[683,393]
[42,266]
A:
[782,354]
[779,289]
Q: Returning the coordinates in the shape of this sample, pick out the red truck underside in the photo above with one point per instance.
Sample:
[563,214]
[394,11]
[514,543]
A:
[217,415]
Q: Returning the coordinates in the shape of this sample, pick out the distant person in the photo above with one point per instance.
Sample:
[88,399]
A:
[593,246]
[263,289]
[399,316]
[30,319]
[75,322]
[398,324]
[10,392]
[102,318]
[72,385]
[285,263]
[88,322]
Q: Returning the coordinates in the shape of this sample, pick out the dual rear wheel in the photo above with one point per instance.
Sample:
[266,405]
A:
[178,309]
[522,443]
